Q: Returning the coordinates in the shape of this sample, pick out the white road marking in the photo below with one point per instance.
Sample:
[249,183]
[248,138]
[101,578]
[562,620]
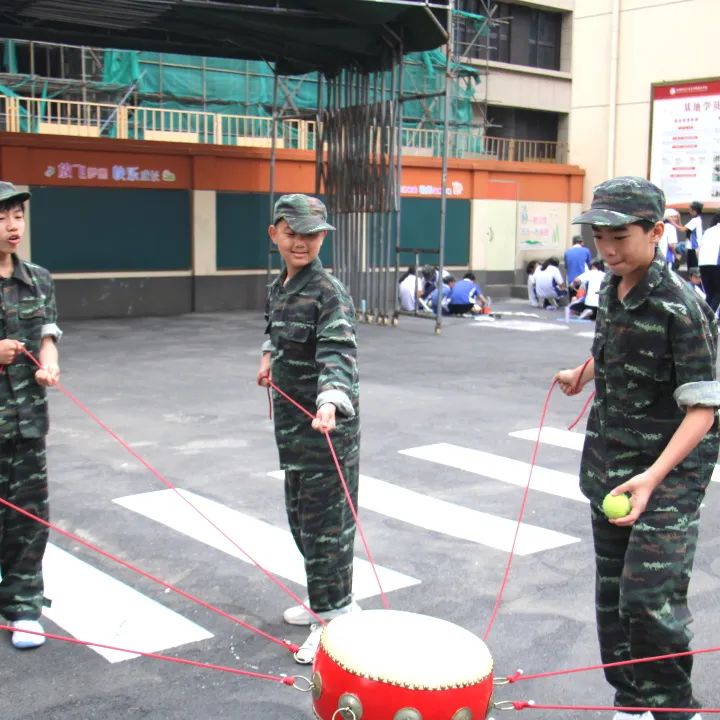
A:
[524,325]
[553,436]
[571,440]
[90,605]
[498,467]
[270,546]
[454,520]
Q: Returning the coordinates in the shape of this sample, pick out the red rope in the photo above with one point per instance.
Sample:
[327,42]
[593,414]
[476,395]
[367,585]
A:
[157,656]
[587,402]
[385,601]
[283,643]
[518,676]
[172,487]
[531,705]
[523,504]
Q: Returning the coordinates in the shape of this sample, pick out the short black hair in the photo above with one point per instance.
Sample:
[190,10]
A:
[599,264]
[646,225]
[11,204]
[469,276]
[551,261]
[577,240]
[697,206]
[715,219]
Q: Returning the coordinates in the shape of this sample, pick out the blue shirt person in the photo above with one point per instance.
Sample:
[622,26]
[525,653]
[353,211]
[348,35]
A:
[577,259]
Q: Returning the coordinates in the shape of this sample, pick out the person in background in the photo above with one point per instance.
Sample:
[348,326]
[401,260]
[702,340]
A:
[693,231]
[695,279]
[530,269]
[577,260]
[709,259]
[590,280]
[448,285]
[549,284]
[410,288]
[467,296]
[668,244]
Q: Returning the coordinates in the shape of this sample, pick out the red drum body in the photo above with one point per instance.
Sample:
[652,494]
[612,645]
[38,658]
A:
[392,665]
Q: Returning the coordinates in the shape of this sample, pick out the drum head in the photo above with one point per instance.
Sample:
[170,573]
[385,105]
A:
[407,649]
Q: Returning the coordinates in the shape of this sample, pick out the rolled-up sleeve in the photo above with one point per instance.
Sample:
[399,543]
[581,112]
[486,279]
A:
[50,327]
[693,340]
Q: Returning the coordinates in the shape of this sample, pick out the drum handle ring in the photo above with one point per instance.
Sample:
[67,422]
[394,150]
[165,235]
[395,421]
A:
[343,710]
[508,680]
[510,705]
[309,682]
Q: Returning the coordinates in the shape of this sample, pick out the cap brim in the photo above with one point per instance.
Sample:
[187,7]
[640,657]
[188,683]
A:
[17,197]
[307,225]
[607,218]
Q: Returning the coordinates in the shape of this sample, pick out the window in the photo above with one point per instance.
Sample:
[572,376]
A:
[544,40]
[474,40]
[523,35]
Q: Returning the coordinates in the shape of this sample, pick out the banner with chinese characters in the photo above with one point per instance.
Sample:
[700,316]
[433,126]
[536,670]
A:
[685,141]
[81,168]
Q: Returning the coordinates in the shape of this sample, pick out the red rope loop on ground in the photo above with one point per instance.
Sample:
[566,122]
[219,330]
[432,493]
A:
[172,487]
[157,656]
[76,538]
[351,505]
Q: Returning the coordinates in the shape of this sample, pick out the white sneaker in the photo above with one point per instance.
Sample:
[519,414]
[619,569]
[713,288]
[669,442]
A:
[306,654]
[619,715]
[298,615]
[23,640]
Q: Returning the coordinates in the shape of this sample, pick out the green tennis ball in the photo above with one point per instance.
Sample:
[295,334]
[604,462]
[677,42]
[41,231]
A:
[616,506]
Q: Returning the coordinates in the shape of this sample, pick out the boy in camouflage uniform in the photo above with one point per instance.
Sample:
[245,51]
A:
[29,320]
[653,433]
[312,356]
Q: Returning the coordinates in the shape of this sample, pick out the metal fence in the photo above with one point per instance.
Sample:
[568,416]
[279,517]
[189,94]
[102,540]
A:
[129,122]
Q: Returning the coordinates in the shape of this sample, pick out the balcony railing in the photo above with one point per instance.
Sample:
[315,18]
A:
[129,122]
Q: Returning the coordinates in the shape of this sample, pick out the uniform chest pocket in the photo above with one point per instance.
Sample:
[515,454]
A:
[297,340]
[648,378]
[32,309]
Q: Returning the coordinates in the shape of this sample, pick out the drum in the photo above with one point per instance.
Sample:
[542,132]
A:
[393,665]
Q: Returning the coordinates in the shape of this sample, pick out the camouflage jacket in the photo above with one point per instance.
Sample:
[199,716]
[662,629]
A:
[311,324]
[27,313]
[654,353]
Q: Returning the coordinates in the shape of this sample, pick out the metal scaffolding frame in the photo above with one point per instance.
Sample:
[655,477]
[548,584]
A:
[358,169]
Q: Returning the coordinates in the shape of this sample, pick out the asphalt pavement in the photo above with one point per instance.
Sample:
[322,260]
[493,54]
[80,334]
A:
[445,423]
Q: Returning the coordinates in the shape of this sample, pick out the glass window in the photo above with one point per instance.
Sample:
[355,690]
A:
[474,40]
[544,39]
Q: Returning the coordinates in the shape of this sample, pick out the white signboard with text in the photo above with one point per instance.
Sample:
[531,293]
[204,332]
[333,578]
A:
[685,144]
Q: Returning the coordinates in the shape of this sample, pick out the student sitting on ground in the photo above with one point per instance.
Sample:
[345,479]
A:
[590,281]
[448,285]
[466,297]
[549,285]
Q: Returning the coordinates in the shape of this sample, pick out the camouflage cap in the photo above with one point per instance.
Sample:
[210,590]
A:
[624,200]
[303,213]
[9,192]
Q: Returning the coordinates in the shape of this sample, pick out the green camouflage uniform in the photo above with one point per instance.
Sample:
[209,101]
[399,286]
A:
[27,313]
[654,354]
[311,324]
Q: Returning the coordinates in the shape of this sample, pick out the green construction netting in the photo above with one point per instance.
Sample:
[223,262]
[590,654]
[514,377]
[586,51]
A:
[231,88]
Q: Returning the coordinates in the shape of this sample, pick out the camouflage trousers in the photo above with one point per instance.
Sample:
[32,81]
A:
[324,531]
[642,577]
[23,482]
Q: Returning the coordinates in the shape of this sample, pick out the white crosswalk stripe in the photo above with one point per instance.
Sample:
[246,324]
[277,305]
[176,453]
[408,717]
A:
[90,605]
[272,548]
[571,440]
[553,436]
[498,467]
[453,520]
